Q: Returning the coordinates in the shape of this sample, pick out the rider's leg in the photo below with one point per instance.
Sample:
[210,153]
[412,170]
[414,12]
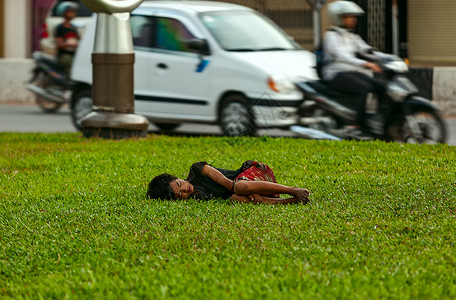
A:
[66,61]
[360,85]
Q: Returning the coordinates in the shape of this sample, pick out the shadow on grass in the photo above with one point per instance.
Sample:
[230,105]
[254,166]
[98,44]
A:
[182,134]
[220,135]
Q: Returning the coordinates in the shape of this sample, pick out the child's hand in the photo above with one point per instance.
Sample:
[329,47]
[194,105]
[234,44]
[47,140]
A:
[302,195]
[257,198]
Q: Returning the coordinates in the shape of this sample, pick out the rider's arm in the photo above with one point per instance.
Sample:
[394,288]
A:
[335,46]
[60,43]
[363,47]
[59,40]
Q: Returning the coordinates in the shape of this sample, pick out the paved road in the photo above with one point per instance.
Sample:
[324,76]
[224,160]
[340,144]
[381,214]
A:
[29,118]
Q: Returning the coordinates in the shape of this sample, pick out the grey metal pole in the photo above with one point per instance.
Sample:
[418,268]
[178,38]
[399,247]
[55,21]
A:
[395,26]
[317,27]
[113,65]
[317,6]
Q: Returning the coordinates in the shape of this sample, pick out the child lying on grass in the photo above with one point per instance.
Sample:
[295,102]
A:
[253,182]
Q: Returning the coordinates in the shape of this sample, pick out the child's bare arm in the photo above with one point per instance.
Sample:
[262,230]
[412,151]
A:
[244,187]
[218,177]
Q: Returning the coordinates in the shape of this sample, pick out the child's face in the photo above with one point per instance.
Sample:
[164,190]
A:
[182,189]
[70,14]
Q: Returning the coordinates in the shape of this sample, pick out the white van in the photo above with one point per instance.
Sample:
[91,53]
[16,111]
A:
[206,62]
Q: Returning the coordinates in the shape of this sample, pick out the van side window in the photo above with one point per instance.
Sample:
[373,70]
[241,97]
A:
[142,29]
[172,35]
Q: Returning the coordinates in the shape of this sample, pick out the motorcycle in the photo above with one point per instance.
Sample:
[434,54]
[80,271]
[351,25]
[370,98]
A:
[49,83]
[400,115]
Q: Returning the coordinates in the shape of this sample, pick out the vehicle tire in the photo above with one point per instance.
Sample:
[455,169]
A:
[236,117]
[431,124]
[46,105]
[82,106]
[167,126]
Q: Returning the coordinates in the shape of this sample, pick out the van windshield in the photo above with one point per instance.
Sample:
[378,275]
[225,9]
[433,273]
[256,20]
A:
[246,31]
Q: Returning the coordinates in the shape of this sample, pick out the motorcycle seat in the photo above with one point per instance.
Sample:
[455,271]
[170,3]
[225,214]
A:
[325,89]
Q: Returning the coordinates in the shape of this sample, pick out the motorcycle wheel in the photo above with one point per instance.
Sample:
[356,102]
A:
[45,105]
[82,106]
[432,127]
[236,118]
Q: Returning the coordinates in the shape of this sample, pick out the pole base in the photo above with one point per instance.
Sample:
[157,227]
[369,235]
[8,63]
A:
[110,125]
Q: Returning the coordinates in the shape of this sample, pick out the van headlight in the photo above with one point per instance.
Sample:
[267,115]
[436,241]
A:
[281,85]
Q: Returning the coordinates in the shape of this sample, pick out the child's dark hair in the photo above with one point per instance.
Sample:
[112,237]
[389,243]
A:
[159,187]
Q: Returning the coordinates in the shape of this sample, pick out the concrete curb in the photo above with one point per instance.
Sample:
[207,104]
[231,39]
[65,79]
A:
[14,74]
[444,89]
[438,84]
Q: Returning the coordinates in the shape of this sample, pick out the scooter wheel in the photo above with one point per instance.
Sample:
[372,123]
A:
[432,128]
[46,105]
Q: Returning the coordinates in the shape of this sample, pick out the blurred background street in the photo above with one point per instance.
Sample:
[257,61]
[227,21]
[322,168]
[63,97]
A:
[28,27]
[30,118]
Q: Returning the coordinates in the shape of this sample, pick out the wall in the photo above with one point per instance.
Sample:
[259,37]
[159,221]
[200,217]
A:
[444,89]
[293,16]
[325,24]
[15,67]
[17,24]
[40,9]
[432,32]
[14,73]
[1,28]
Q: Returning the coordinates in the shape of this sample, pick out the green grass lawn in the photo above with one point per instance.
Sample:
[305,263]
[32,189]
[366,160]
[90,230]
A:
[75,222]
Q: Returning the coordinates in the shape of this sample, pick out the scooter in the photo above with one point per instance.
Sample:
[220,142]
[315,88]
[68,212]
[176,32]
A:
[399,115]
[49,83]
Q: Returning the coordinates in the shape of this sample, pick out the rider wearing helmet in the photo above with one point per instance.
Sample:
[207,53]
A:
[66,35]
[342,69]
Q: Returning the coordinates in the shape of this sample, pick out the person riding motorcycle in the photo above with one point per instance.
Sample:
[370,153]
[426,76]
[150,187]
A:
[66,36]
[342,69]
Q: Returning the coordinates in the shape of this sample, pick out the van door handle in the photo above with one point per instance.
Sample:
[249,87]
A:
[162,66]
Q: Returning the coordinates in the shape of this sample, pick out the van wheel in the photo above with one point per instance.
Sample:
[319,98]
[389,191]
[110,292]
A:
[166,126]
[82,106]
[236,117]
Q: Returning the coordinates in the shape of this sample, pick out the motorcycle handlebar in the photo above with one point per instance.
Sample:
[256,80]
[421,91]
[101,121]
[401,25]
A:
[382,60]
